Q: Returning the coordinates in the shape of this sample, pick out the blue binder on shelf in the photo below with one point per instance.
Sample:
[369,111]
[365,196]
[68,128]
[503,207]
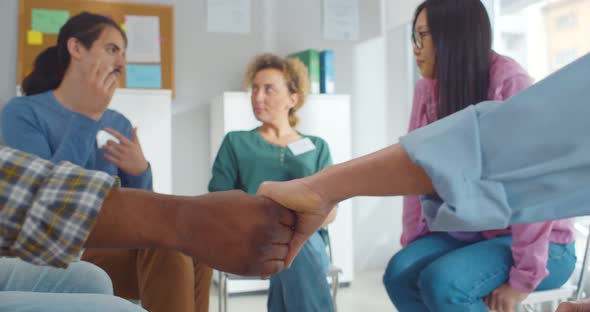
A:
[327,72]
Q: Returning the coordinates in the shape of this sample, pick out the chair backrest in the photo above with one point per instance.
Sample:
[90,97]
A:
[325,234]
[583,269]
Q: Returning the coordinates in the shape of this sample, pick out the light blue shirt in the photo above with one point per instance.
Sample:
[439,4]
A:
[527,160]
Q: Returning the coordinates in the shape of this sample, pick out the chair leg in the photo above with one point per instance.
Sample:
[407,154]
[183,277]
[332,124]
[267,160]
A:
[553,305]
[335,281]
[225,294]
[220,291]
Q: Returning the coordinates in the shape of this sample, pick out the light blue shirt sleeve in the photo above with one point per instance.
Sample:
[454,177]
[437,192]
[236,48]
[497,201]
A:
[522,161]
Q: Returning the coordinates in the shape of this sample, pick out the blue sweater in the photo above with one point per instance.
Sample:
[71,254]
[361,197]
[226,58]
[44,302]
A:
[40,125]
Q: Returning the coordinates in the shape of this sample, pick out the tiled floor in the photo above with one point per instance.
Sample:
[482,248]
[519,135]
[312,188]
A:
[365,294]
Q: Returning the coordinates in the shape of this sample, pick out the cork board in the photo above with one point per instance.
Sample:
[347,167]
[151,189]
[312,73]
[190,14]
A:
[32,42]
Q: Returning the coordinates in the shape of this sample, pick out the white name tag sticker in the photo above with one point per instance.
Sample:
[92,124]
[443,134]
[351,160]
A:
[302,146]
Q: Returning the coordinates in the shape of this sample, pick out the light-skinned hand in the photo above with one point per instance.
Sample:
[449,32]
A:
[127,155]
[97,89]
[311,208]
[504,298]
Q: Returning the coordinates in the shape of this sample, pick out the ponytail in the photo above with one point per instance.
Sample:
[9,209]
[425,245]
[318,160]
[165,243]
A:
[48,71]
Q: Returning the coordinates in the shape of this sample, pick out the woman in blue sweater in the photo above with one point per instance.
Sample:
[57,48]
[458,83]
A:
[64,111]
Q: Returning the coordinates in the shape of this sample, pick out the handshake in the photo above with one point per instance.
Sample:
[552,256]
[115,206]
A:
[252,235]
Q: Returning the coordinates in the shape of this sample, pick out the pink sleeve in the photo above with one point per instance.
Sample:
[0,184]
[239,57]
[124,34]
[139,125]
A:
[513,86]
[530,249]
[412,225]
[418,103]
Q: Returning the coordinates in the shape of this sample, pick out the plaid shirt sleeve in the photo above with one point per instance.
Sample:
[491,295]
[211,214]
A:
[47,210]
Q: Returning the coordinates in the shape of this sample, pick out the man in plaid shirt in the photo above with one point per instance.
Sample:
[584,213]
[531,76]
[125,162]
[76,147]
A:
[48,212]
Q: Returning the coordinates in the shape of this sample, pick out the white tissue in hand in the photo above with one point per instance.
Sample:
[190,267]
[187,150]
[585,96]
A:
[102,137]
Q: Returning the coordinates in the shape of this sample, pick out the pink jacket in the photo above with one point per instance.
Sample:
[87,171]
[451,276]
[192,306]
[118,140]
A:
[530,242]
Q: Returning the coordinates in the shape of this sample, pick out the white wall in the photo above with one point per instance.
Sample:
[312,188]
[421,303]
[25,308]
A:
[378,220]
[399,12]
[190,151]
[376,230]
[382,97]
[9,36]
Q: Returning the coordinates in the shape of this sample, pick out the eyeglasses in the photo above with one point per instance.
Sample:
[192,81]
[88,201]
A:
[418,38]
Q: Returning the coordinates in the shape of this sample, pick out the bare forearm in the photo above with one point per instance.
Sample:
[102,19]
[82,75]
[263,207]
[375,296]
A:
[132,218]
[230,231]
[388,172]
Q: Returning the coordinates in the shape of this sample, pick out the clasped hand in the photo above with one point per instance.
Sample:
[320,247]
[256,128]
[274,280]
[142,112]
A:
[253,235]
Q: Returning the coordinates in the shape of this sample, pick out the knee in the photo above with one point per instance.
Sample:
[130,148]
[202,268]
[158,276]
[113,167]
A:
[172,266]
[306,270]
[436,286]
[91,279]
[305,262]
[202,271]
[396,276]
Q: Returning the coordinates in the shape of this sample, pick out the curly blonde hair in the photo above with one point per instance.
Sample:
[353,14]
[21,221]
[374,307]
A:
[294,71]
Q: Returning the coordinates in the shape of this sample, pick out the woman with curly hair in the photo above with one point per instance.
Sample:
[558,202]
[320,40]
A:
[270,153]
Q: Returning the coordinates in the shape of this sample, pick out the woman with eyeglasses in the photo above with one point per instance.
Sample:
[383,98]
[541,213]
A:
[467,271]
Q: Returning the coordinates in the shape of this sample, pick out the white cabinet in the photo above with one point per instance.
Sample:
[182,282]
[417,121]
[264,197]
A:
[150,111]
[326,116]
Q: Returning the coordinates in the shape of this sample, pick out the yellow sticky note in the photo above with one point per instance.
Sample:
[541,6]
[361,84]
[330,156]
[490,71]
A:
[34,37]
[124,27]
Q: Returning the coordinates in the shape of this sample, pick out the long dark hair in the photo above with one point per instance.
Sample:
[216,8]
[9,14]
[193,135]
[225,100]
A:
[51,64]
[462,36]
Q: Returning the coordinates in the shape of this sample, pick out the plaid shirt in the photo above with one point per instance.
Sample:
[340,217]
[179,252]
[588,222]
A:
[47,210]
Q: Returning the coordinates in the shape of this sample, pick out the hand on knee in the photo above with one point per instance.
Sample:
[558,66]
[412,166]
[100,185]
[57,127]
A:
[504,298]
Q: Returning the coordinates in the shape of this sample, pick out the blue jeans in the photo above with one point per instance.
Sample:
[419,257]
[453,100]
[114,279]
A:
[440,273]
[303,287]
[84,287]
